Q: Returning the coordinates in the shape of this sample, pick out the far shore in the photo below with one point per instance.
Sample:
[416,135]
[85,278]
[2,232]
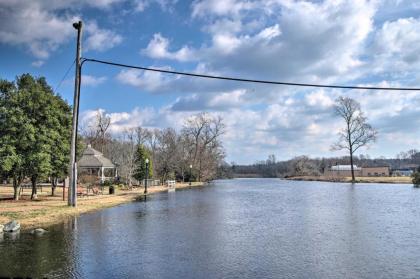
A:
[383,179]
[48,210]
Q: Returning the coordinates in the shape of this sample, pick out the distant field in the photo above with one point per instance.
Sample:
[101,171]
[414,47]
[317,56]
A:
[391,179]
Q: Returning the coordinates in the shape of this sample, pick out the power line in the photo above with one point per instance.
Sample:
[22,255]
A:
[65,75]
[249,80]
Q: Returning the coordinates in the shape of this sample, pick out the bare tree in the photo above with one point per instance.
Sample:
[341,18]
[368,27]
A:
[166,154]
[102,124]
[303,165]
[96,132]
[357,132]
[141,135]
[204,132]
[131,139]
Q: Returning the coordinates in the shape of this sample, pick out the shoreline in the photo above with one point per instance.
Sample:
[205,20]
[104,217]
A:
[380,180]
[48,211]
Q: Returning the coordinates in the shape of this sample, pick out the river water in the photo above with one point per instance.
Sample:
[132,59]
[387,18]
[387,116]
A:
[242,228]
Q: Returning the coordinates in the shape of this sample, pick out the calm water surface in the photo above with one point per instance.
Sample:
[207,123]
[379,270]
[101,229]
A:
[244,228]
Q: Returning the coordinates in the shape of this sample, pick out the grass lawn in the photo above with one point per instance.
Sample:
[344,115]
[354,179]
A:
[48,210]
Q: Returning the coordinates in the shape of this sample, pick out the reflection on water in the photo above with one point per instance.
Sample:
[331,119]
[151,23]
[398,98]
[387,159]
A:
[245,228]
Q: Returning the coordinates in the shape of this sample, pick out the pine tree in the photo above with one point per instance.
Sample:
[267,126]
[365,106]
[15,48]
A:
[140,163]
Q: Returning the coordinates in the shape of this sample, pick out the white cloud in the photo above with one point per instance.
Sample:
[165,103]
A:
[145,117]
[43,26]
[219,101]
[151,81]
[396,46]
[88,80]
[158,47]
[220,8]
[319,98]
[38,63]
[100,39]
[165,5]
[40,30]
[280,39]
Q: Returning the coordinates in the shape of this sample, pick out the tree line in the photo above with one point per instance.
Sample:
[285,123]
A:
[306,166]
[193,153]
[35,131]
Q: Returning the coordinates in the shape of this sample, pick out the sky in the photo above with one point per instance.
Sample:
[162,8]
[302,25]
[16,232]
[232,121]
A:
[358,42]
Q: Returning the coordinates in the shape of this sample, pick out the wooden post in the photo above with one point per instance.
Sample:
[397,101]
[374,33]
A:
[66,183]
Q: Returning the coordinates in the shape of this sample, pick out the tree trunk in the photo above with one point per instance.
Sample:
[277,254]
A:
[199,170]
[53,185]
[183,175]
[34,194]
[351,152]
[16,188]
[351,165]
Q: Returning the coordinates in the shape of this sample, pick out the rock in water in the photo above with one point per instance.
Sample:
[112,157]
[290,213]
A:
[1,228]
[12,226]
[39,231]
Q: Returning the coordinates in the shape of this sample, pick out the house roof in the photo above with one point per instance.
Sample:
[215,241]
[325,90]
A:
[344,167]
[92,158]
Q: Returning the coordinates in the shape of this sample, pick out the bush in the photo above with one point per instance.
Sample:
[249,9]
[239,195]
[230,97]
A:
[416,179]
[107,183]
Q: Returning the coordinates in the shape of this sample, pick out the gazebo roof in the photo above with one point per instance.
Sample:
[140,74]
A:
[92,158]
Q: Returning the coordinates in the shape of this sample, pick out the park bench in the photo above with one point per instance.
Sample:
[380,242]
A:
[81,192]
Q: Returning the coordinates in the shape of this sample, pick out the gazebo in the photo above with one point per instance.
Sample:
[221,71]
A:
[93,162]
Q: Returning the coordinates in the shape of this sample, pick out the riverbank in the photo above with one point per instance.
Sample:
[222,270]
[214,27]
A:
[385,179]
[49,210]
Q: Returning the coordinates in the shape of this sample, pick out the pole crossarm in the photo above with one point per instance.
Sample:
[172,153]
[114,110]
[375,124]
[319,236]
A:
[248,80]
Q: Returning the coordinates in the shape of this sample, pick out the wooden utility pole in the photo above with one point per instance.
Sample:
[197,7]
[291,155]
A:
[72,194]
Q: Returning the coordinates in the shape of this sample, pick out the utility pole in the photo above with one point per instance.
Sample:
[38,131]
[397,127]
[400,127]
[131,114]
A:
[72,194]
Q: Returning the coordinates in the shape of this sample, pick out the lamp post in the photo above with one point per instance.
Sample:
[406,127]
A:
[190,174]
[147,175]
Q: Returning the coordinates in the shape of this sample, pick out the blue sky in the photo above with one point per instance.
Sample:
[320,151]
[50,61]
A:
[334,42]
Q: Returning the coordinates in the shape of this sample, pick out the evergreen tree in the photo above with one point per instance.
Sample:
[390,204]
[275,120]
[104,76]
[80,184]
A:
[140,163]
[35,127]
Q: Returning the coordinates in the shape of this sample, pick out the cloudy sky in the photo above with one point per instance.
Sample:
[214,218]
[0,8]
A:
[333,42]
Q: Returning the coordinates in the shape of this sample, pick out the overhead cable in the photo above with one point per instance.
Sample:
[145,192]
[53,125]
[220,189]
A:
[249,80]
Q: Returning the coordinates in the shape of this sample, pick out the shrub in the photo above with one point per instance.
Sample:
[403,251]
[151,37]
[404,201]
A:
[416,179]
[107,183]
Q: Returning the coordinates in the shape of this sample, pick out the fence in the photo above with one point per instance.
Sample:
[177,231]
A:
[150,182]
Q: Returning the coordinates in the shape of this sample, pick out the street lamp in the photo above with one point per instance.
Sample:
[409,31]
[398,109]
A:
[190,173]
[147,175]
